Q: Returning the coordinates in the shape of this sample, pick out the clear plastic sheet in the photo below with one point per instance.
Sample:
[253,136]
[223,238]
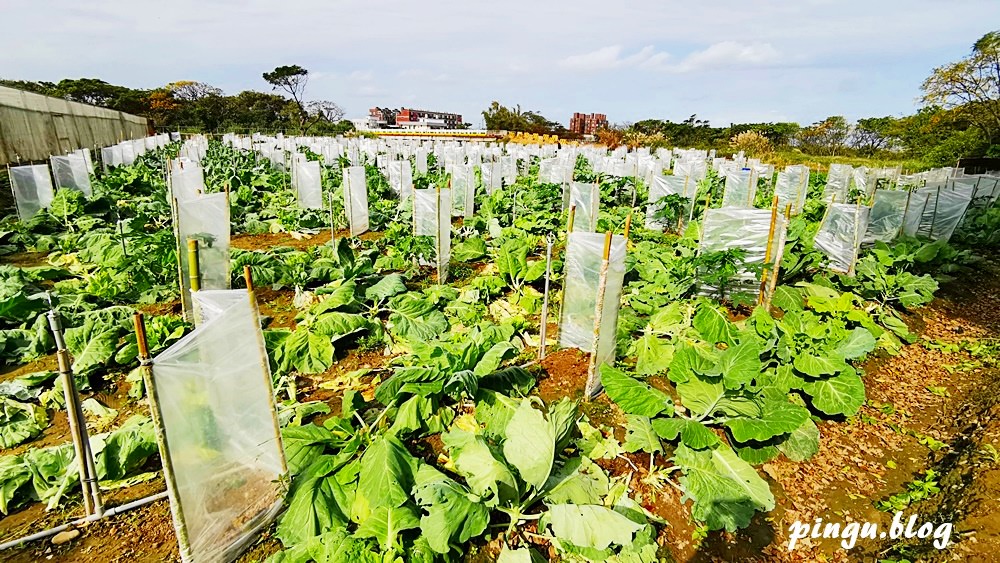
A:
[492,176]
[840,235]
[70,172]
[838,180]
[584,254]
[308,184]
[187,179]
[32,187]
[355,190]
[85,153]
[586,198]
[223,456]
[885,221]
[432,217]
[741,187]
[731,227]
[463,186]
[401,178]
[792,187]
[942,212]
[206,219]
[662,186]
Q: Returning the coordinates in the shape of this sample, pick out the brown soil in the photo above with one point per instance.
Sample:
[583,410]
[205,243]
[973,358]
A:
[301,241]
[277,305]
[565,375]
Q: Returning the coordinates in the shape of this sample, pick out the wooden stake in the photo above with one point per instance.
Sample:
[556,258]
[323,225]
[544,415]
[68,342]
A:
[602,285]
[767,250]
[628,223]
[569,223]
[543,328]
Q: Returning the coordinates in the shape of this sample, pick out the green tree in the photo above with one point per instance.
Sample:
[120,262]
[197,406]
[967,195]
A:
[873,134]
[971,85]
[825,137]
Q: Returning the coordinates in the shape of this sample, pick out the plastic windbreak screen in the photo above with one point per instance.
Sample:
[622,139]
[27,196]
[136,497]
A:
[915,205]
[85,154]
[401,178]
[838,180]
[584,254]
[431,217]
[885,220]
[187,179]
[748,229]
[420,160]
[210,304]
[791,188]
[355,190]
[32,187]
[70,172]
[943,211]
[206,220]
[586,199]
[223,458]
[309,187]
[663,186]
[839,237]
[492,176]
[987,189]
[548,171]
[463,189]
[128,153]
[741,186]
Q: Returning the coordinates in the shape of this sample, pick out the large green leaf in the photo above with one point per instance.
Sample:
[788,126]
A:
[802,443]
[692,433]
[779,417]
[915,290]
[306,351]
[303,444]
[453,514]
[20,421]
[858,343]
[337,325]
[634,396]
[653,354]
[840,395]
[705,398]
[92,345]
[738,365]
[14,475]
[713,324]
[590,526]
[639,435]
[385,523]
[689,359]
[385,288]
[415,319]
[485,474]
[530,444]
[818,366]
[318,503]
[579,481]
[726,490]
[386,477]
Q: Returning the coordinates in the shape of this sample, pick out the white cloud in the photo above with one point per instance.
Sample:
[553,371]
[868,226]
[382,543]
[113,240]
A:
[729,54]
[613,56]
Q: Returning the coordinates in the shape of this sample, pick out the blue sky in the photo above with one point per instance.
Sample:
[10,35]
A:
[727,61]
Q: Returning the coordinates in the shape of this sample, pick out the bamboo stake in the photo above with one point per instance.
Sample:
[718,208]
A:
[854,255]
[767,250]
[773,283]
[628,224]
[176,506]
[602,285]
[543,329]
[569,223]
[194,269]
[441,267]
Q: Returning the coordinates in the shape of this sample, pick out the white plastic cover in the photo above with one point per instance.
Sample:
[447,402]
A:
[662,186]
[356,199]
[741,187]
[401,178]
[586,198]
[70,172]
[463,186]
[187,179]
[839,237]
[32,187]
[838,180]
[205,218]
[791,188]
[730,227]
[584,255]
[492,176]
[432,217]
[941,213]
[308,184]
[885,221]
[216,413]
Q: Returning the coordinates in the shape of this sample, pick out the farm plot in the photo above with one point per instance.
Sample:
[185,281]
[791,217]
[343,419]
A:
[743,357]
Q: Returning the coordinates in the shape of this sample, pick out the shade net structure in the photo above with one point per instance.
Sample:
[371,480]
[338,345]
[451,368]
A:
[187,179]
[204,219]
[791,188]
[70,172]
[840,235]
[741,187]
[661,187]
[936,211]
[838,181]
[32,188]
[401,178]
[586,198]
[432,217]
[308,184]
[582,270]
[885,221]
[212,403]
[463,190]
[355,189]
[747,229]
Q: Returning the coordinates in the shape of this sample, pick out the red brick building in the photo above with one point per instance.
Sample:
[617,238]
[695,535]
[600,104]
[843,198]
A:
[414,118]
[587,124]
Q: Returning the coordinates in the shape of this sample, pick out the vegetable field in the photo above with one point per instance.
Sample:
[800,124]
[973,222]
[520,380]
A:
[495,352]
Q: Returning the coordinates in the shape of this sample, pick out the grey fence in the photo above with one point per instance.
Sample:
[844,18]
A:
[33,127]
